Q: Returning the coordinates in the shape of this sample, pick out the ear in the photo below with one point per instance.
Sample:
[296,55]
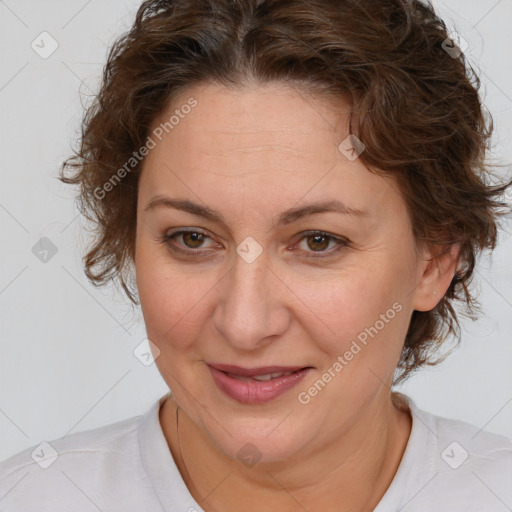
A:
[437,268]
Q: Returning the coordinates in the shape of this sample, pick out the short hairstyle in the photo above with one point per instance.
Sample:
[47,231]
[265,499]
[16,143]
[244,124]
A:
[414,104]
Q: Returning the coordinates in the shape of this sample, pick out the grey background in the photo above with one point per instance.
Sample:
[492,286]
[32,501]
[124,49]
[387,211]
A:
[66,353]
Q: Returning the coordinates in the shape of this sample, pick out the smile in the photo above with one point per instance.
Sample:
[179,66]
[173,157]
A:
[256,385]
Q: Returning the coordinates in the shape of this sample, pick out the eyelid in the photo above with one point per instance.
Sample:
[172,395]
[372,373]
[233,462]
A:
[341,241]
[169,235]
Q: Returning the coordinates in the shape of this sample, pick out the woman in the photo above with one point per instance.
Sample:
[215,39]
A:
[302,192]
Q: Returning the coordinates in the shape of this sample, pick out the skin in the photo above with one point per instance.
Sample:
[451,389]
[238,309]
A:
[250,154]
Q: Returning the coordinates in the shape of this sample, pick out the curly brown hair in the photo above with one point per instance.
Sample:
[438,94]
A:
[415,106]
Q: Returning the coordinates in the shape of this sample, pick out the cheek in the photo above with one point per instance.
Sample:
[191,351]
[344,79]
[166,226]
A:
[333,308]
[173,301]
[359,312]
[347,297]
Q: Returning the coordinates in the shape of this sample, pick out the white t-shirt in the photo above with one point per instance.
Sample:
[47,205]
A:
[448,466]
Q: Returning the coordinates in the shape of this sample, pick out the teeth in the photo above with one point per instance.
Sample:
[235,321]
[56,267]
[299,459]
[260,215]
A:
[262,378]
[269,376]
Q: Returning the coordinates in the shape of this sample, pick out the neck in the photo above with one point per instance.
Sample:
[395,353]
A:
[348,473]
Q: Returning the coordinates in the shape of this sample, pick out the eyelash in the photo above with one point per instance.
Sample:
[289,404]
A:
[166,238]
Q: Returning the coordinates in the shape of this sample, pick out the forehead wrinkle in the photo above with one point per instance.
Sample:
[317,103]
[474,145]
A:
[281,148]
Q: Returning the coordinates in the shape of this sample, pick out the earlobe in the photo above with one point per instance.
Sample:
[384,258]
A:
[436,275]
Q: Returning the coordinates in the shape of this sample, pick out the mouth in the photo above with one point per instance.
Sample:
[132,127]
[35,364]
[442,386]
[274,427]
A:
[256,385]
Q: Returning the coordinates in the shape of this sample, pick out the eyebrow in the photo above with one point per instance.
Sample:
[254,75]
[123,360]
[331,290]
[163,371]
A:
[284,218]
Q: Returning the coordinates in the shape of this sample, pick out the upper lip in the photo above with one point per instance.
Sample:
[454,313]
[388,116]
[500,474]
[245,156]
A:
[250,372]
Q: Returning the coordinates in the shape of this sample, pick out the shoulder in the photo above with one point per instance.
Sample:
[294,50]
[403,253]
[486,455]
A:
[458,464]
[76,468]
[458,439]
[468,447]
[91,443]
[474,466]
[468,452]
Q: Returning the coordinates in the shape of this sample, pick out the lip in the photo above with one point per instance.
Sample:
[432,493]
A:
[254,392]
[250,372]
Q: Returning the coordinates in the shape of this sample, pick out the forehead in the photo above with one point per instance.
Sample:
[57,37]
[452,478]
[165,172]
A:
[255,116]
[272,139]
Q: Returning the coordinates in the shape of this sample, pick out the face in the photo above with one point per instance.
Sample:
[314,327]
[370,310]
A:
[265,281]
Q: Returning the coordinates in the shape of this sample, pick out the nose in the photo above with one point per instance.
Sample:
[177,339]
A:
[251,311]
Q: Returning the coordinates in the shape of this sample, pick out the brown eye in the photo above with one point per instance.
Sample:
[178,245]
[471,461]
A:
[319,242]
[192,239]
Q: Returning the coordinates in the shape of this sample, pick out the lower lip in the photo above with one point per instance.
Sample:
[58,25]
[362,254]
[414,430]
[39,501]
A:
[254,392]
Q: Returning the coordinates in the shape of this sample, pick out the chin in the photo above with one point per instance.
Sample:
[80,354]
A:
[258,444]
[260,451]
